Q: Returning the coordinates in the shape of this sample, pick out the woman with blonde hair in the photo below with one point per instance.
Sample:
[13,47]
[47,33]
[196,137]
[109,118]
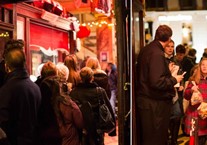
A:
[200,80]
[100,76]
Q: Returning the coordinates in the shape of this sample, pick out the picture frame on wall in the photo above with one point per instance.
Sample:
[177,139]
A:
[104,56]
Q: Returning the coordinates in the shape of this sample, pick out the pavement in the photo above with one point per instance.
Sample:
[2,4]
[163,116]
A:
[108,140]
[183,140]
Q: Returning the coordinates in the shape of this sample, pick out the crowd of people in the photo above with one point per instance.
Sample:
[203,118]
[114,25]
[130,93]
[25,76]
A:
[48,111]
[171,92]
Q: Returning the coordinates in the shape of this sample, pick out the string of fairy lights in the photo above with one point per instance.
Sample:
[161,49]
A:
[97,24]
[6,34]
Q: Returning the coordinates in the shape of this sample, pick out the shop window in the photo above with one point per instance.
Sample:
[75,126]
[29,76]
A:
[187,37]
[46,44]
[39,58]
[148,31]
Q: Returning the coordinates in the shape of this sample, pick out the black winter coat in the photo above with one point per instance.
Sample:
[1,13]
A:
[20,100]
[154,77]
[88,92]
[102,80]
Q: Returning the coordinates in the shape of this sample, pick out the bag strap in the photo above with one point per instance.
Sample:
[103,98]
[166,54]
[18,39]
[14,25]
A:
[100,95]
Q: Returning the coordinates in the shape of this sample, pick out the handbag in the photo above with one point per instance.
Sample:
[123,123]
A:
[106,121]
[202,110]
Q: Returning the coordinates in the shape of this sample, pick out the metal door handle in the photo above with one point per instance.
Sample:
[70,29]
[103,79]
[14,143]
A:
[125,86]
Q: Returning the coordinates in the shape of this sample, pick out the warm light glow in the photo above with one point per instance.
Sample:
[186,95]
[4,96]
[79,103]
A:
[6,34]
[175,18]
[185,32]
[98,24]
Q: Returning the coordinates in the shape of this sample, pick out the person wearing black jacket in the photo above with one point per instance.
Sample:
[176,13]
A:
[20,101]
[87,92]
[11,44]
[155,90]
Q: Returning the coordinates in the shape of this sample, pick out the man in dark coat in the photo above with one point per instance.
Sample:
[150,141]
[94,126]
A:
[11,44]
[20,99]
[155,90]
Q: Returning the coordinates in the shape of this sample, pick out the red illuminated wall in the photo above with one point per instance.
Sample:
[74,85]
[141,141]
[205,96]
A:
[48,37]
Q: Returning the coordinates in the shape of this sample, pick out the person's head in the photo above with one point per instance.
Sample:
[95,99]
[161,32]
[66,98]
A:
[203,66]
[201,71]
[163,34]
[180,52]
[93,63]
[71,62]
[86,74]
[15,59]
[192,52]
[13,44]
[169,49]
[111,67]
[204,54]
[48,69]
[63,72]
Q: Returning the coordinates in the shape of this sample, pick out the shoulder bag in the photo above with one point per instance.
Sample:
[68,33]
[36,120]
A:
[106,121]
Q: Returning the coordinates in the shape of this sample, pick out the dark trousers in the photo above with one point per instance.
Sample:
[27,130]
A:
[153,118]
[174,130]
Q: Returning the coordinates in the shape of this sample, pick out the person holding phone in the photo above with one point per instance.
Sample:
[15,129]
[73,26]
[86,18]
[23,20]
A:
[155,90]
[176,112]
